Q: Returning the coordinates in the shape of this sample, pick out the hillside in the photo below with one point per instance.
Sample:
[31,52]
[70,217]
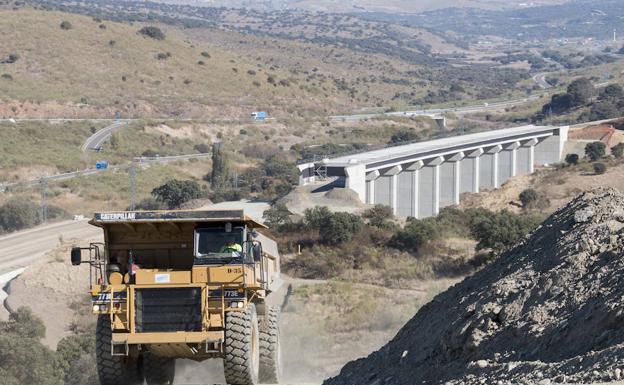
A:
[372,62]
[100,67]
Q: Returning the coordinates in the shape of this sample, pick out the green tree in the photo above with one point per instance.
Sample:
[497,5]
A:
[379,216]
[572,159]
[340,228]
[580,91]
[277,215]
[176,192]
[618,150]
[605,109]
[220,173]
[595,150]
[613,92]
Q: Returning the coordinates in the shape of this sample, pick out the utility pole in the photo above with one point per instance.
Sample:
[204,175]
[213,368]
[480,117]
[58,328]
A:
[132,174]
[44,207]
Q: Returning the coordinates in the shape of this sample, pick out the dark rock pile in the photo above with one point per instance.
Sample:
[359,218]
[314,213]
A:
[551,310]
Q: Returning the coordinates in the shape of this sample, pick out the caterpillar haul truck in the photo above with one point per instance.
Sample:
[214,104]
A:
[183,284]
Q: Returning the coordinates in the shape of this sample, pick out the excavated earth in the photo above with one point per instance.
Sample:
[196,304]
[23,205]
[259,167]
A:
[550,310]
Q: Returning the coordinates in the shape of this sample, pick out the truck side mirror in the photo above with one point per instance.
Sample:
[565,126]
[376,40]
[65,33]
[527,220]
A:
[76,256]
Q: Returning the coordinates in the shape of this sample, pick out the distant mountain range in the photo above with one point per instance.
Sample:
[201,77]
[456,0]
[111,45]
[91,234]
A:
[390,6]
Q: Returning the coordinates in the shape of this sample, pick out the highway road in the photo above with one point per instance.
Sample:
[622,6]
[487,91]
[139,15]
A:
[20,249]
[483,107]
[95,141]
[92,171]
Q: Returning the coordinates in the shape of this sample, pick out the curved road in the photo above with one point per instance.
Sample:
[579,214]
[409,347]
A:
[95,141]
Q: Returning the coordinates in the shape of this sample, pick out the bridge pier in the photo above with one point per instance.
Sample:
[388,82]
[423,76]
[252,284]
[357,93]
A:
[418,179]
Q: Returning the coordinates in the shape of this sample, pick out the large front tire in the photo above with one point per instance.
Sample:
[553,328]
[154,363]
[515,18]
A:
[242,347]
[270,357]
[158,370]
[112,370]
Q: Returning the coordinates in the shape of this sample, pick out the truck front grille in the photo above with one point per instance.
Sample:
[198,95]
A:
[168,310]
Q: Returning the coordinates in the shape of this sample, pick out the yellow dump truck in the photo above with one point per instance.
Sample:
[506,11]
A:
[183,284]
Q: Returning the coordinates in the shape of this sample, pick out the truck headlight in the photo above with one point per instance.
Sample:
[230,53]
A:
[96,307]
[103,307]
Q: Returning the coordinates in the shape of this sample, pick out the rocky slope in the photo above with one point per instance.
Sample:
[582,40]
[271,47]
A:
[548,311]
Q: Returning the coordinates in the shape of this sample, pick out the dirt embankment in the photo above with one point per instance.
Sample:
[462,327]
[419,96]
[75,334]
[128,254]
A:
[548,311]
[53,289]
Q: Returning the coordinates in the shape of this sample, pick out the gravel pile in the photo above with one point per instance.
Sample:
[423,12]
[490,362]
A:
[551,310]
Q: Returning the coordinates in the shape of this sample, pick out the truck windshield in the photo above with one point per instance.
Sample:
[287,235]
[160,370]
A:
[215,245]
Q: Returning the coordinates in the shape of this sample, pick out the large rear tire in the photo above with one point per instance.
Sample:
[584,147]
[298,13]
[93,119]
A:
[158,370]
[270,356]
[113,370]
[242,347]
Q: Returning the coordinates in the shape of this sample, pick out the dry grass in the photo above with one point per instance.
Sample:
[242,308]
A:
[117,68]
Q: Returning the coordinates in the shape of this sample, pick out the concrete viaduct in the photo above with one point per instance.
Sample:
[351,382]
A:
[418,179]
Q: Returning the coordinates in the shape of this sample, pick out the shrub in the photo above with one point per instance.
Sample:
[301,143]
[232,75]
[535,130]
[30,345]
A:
[163,55]
[17,214]
[66,25]
[595,150]
[25,360]
[205,54]
[176,192]
[316,217]
[618,150]
[115,141]
[499,231]
[340,228]
[405,135]
[572,159]
[528,197]
[12,58]
[202,148]
[415,234]
[149,203]
[201,63]
[379,216]
[600,168]
[149,153]
[152,32]
[7,77]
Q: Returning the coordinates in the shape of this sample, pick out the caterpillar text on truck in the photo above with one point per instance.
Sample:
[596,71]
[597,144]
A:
[183,284]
